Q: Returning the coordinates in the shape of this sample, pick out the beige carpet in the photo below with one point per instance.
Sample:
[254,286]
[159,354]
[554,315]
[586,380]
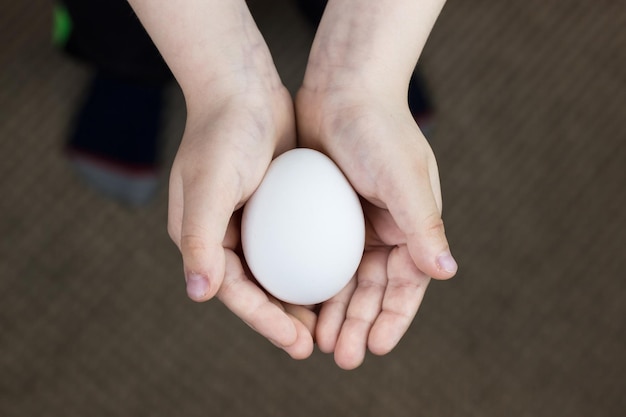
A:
[530,138]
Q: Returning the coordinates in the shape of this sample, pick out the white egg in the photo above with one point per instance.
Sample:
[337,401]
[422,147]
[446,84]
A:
[303,230]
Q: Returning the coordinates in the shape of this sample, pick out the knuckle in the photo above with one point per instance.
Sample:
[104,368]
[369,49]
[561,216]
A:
[192,246]
[433,226]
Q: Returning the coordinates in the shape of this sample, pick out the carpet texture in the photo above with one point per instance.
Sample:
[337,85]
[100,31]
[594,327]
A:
[531,143]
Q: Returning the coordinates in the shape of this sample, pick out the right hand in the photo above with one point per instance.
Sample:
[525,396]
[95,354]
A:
[239,116]
[224,154]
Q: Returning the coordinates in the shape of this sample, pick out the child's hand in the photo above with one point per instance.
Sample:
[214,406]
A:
[381,150]
[224,154]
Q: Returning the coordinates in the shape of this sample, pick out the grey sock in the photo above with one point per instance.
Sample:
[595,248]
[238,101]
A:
[132,189]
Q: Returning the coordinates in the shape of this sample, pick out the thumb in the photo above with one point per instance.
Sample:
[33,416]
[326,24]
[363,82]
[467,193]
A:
[208,204]
[416,209]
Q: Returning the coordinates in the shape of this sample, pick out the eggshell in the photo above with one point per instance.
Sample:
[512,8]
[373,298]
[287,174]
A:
[303,230]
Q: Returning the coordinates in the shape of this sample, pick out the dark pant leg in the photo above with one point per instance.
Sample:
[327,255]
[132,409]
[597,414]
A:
[108,35]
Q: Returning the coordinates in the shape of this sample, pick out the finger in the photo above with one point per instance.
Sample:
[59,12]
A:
[331,318]
[414,201]
[302,348]
[404,293]
[209,202]
[200,262]
[252,305]
[365,305]
[305,319]
[304,315]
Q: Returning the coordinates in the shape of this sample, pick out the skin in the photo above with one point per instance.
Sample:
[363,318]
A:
[351,106]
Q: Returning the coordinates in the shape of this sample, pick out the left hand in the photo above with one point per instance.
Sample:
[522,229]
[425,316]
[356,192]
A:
[388,161]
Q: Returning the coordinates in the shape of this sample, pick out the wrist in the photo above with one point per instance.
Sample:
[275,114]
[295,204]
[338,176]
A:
[241,65]
[372,46]
[255,79]
[213,47]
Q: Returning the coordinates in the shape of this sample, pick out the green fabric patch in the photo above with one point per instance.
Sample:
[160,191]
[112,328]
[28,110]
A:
[62,25]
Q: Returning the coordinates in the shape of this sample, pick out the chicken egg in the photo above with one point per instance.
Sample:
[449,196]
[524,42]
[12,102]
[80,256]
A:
[303,230]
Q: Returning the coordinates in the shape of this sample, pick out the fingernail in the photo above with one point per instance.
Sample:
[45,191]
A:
[446,262]
[197,286]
